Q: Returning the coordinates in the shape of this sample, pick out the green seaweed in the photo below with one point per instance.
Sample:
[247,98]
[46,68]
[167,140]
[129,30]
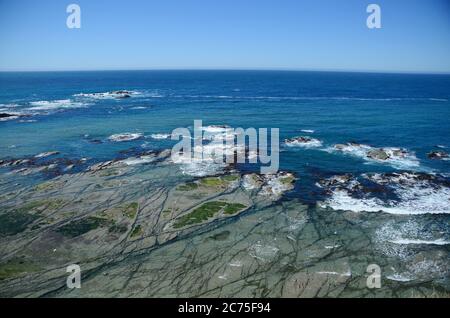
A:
[80,227]
[230,177]
[232,208]
[16,267]
[137,231]
[206,211]
[188,186]
[45,186]
[212,182]
[131,210]
[287,180]
[200,214]
[108,172]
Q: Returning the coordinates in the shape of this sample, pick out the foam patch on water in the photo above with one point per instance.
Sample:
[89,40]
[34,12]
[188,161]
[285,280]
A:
[411,232]
[303,141]
[160,136]
[139,160]
[108,95]
[404,239]
[395,157]
[198,167]
[125,137]
[263,252]
[399,277]
[413,196]
[56,104]
[419,242]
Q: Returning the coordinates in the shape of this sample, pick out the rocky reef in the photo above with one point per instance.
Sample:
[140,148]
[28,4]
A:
[112,210]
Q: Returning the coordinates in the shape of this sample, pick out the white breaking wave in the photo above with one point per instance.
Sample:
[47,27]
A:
[139,160]
[396,157]
[125,137]
[309,131]
[347,274]
[56,104]
[413,195]
[160,136]
[399,278]
[108,95]
[305,142]
[198,167]
[417,242]
[412,201]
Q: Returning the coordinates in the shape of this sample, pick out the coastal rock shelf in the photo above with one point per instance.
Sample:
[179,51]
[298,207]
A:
[140,228]
[113,211]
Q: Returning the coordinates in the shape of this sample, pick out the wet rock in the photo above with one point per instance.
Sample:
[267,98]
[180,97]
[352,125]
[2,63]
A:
[378,154]
[336,180]
[303,141]
[5,115]
[438,155]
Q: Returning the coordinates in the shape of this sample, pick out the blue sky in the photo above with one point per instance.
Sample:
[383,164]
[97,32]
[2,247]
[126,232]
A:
[226,34]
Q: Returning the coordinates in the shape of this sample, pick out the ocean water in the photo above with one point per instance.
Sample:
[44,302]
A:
[380,110]
[412,112]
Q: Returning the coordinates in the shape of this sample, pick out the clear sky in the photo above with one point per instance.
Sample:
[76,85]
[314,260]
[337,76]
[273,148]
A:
[226,34]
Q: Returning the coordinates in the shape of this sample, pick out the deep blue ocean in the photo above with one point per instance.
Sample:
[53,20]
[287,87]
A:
[380,110]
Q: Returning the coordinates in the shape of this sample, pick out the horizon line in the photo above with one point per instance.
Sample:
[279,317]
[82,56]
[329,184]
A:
[229,69]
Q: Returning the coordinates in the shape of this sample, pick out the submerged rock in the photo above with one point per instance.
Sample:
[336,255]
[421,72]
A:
[303,141]
[438,155]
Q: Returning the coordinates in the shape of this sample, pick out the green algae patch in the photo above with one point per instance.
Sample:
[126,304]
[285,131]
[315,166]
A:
[200,214]
[207,211]
[45,186]
[188,186]
[80,227]
[16,267]
[287,180]
[131,210]
[219,181]
[233,208]
[213,182]
[230,177]
[137,231]
[14,222]
[109,173]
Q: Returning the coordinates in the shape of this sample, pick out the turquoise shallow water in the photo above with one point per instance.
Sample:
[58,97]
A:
[381,110]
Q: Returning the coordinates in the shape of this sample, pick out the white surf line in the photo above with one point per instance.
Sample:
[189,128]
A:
[408,241]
